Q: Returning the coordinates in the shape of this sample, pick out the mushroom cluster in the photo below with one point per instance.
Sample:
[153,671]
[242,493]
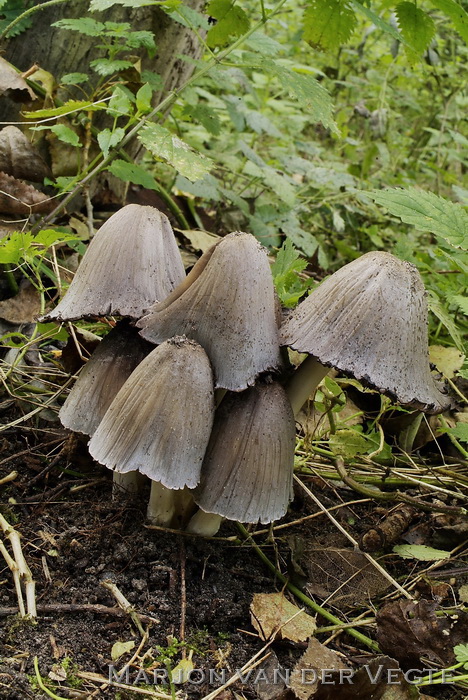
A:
[189,388]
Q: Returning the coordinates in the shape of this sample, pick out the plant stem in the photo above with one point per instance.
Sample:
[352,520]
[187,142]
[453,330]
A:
[161,107]
[12,283]
[304,381]
[303,598]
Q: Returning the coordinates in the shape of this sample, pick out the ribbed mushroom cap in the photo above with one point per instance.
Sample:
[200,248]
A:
[248,467]
[227,304]
[132,261]
[106,371]
[369,319]
[160,421]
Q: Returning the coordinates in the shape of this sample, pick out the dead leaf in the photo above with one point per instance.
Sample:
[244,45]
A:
[57,673]
[13,85]
[408,630]
[311,667]
[448,360]
[19,158]
[201,240]
[270,680]
[22,308]
[270,612]
[16,197]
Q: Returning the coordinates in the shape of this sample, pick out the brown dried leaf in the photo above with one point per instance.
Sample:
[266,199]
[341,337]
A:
[307,673]
[13,85]
[19,158]
[269,612]
[22,308]
[447,360]
[407,630]
[16,197]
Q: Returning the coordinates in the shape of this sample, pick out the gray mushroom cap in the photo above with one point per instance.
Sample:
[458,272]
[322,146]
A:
[227,304]
[248,467]
[369,320]
[106,371]
[160,421]
[132,261]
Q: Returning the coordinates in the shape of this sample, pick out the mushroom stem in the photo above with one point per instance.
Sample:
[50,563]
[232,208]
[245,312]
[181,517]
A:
[206,524]
[161,506]
[304,381]
[128,483]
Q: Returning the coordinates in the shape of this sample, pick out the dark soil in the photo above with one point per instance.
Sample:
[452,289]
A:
[75,536]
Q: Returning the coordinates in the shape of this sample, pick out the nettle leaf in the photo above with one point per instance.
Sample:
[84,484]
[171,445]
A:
[189,17]
[285,271]
[143,98]
[109,66]
[421,552]
[120,103]
[379,22]
[168,147]
[460,432]
[74,78]
[206,116]
[416,27]
[131,172]
[427,211]
[263,44]
[232,22]
[108,139]
[142,38]
[84,25]
[66,108]
[65,134]
[329,23]
[457,14]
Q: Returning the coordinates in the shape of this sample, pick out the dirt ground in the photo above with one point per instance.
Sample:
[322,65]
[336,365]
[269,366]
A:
[192,595]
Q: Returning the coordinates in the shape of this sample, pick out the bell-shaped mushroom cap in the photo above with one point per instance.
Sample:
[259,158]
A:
[106,371]
[369,320]
[248,467]
[132,262]
[227,304]
[160,421]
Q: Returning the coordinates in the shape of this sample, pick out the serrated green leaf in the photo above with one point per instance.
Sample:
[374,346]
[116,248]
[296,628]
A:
[120,103]
[189,17]
[428,212]
[168,147]
[84,25]
[109,66]
[121,648]
[131,172]
[14,246]
[49,237]
[461,302]
[74,78]
[285,271]
[460,432]
[421,552]
[435,305]
[416,26]
[143,98]
[457,14]
[329,23]
[206,116]
[378,21]
[232,22]
[348,443]
[108,139]
[67,108]
[461,654]
[65,134]
[142,38]
[263,44]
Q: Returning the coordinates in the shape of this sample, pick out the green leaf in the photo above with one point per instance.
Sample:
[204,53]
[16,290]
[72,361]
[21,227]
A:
[378,21]
[348,443]
[461,302]
[143,38]
[65,134]
[421,552]
[66,108]
[460,432]
[109,66]
[329,23]
[100,5]
[84,25]
[168,147]
[232,22]
[189,17]
[131,172]
[74,78]
[120,103]
[416,26]
[206,116]
[428,212]
[285,271]
[143,98]
[461,654]
[435,305]
[121,648]
[457,14]
[49,237]
[263,44]
[14,246]
[107,139]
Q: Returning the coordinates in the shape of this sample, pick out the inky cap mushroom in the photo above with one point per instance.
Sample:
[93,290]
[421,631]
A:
[132,261]
[369,320]
[160,421]
[227,304]
[248,467]
[106,371]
